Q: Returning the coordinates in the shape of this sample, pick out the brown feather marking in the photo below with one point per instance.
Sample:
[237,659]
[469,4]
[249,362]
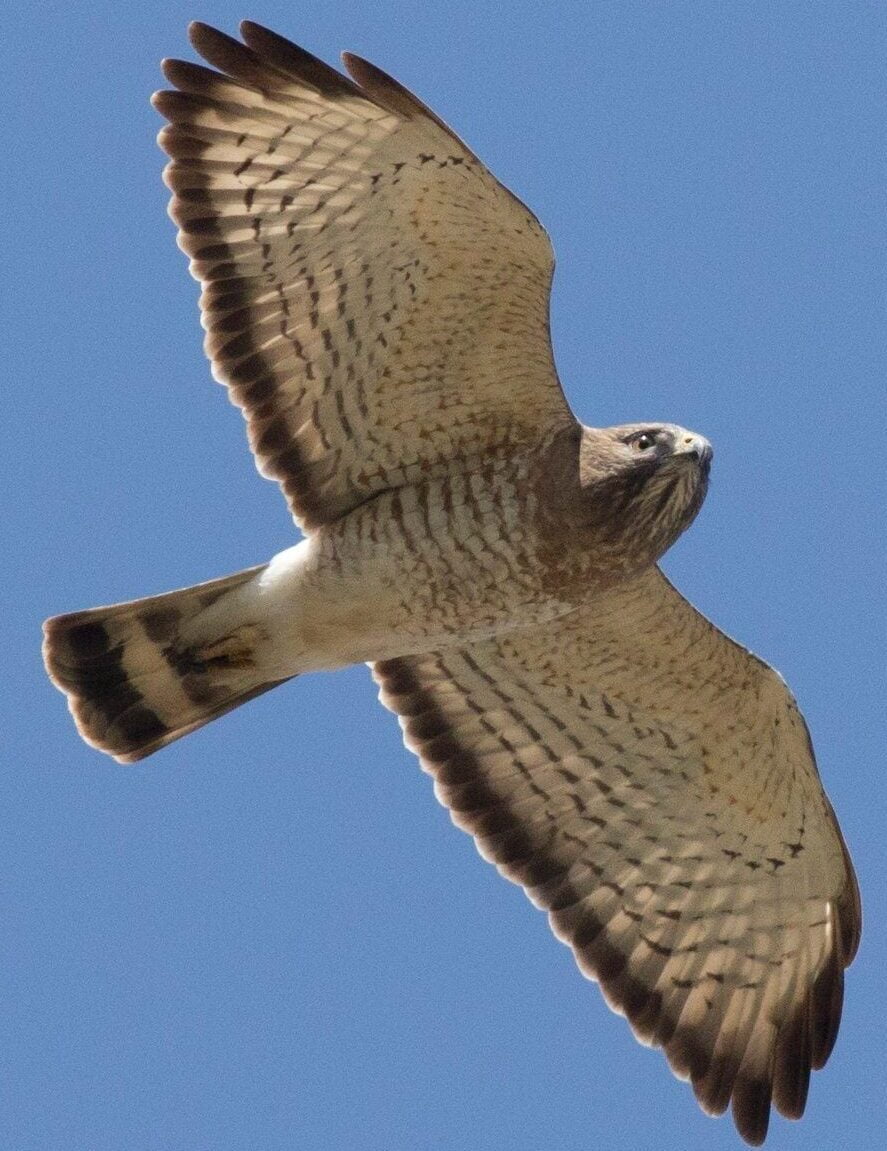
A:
[747,1064]
[278,163]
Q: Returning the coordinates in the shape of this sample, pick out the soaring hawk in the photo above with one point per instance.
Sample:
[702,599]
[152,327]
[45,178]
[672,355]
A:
[377,304]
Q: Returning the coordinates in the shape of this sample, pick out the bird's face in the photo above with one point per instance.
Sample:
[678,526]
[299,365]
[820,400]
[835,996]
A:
[649,482]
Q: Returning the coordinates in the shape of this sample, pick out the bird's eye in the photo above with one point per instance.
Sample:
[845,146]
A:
[643,442]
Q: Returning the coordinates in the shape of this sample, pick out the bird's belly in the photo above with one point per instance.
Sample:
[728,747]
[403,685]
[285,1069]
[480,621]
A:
[418,569]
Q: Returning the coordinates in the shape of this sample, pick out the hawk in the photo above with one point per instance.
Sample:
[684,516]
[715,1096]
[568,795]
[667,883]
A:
[377,304]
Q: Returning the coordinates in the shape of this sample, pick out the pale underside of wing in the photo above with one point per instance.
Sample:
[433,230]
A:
[376,302]
[651,785]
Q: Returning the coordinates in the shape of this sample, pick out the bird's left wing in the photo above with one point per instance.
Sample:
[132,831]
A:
[376,302]
[651,784]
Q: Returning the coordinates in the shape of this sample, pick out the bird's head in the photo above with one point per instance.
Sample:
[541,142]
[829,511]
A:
[646,482]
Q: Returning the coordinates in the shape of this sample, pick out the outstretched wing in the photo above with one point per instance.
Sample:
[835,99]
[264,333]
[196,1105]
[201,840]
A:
[375,300]
[651,784]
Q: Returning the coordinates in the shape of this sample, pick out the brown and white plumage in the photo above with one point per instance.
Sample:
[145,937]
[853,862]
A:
[377,303]
[650,784]
[359,265]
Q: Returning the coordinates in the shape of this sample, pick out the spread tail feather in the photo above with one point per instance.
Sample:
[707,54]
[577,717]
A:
[136,677]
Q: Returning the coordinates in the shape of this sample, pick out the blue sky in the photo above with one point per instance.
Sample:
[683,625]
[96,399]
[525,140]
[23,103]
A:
[269,936]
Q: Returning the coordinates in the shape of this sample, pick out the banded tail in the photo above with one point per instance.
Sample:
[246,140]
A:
[139,675]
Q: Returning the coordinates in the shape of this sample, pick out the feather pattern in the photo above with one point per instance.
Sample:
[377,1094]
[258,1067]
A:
[377,304]
[343,235]
[651,785]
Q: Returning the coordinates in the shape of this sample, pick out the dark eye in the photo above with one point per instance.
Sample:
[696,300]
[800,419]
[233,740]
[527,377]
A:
[643,442]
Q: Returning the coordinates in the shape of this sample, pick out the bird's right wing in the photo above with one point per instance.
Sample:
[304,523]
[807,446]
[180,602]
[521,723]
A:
[651,784]
[376,302]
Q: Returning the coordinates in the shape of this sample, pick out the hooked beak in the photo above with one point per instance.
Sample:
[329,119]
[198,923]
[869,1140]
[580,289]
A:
[696,447]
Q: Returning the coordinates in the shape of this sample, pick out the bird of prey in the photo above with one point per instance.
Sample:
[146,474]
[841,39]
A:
[377,304]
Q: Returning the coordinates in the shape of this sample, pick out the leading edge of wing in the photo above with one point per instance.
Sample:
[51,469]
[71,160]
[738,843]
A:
[375,301]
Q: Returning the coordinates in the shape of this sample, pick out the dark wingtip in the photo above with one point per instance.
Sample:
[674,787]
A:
[391,94]
[828,1001]
[714,1088]
[289,58]
[751,1109]
[791,1075]
[382,86]
[198,33]
[252,29]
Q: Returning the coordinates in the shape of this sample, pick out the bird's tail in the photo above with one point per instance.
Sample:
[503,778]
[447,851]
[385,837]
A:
[139,675]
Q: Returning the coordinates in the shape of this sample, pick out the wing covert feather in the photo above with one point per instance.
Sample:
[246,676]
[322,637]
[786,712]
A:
[376,302]
[651,785]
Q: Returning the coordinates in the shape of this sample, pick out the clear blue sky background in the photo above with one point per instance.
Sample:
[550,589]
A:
[270,937]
